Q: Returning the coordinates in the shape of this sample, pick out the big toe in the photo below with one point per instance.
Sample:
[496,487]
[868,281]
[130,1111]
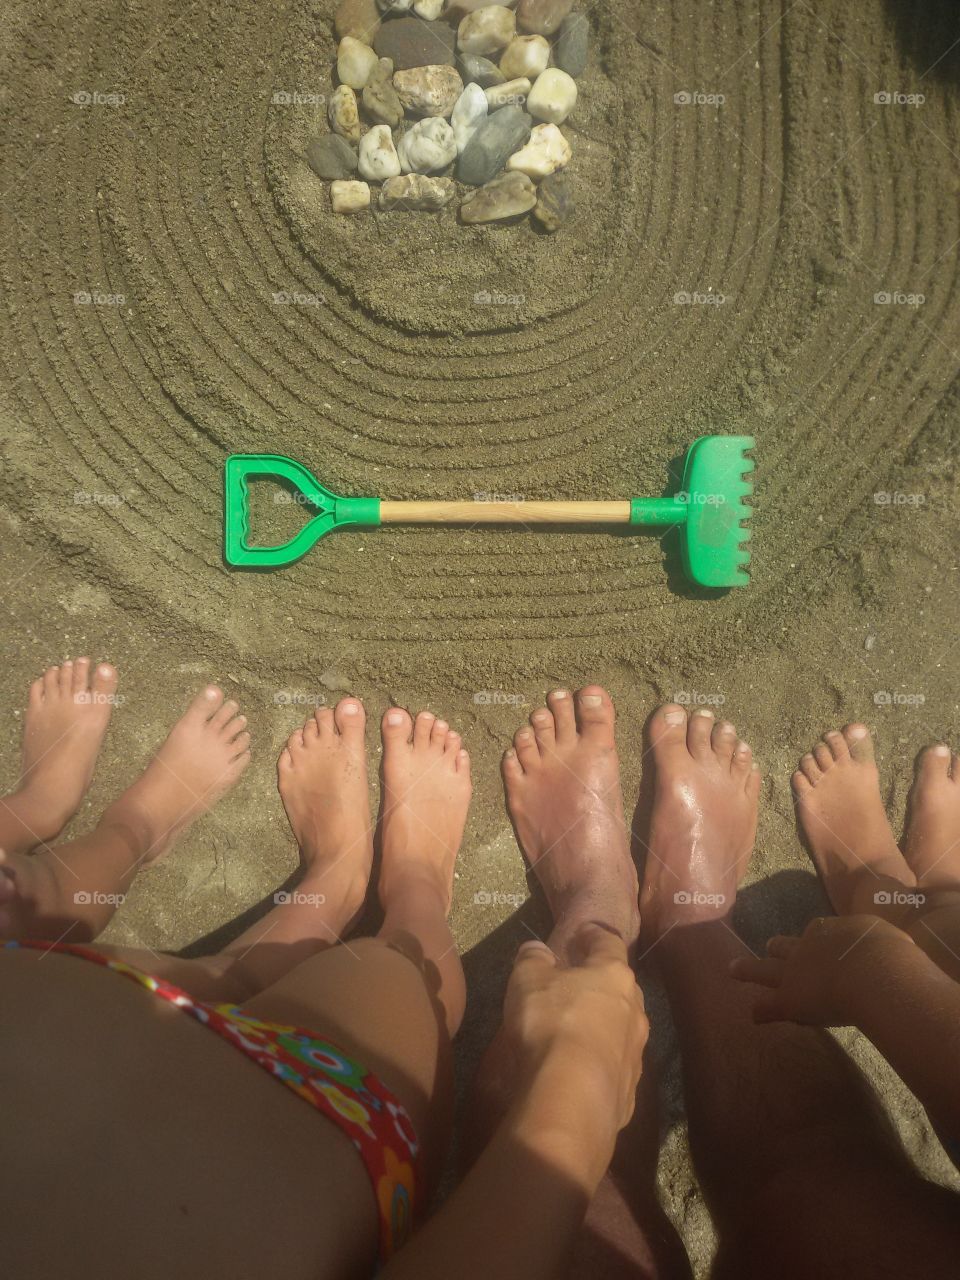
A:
[933,764]
[667,732]
[105,680]
[396,727]
[350,719]
[205,704]
[860,743]
[595,715]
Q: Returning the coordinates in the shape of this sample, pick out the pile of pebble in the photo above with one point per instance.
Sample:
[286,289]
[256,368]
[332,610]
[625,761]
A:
[430,88]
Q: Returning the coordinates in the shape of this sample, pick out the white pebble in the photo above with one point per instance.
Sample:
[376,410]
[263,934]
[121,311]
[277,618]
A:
[356,62]
[378,155]
[428,91]
[553,96]
[429,10]
[525,56]
[547,151]
[349,197]
[344,114]
[487,30]
[510,92]
[427,146]
[468,115]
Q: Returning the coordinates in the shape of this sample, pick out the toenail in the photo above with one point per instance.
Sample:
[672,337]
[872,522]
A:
[560,693]
[395,717]
[859,731]
[674,717]
[350,708]
[541,717]
[941,750]
[510,755]
[524,733]
[591,699]
[742,748]
[704,711]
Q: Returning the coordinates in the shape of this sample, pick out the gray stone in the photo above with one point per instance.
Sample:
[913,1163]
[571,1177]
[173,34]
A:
[481,71]
[554,202]
[332,157]
[380,100]
[411,42]
[570,46]
[493,143]
[505,197]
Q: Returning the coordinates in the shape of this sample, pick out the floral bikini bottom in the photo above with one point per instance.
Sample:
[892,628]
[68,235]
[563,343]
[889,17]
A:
[323,1075]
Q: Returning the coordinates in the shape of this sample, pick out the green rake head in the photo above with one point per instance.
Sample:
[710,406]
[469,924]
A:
[715,485]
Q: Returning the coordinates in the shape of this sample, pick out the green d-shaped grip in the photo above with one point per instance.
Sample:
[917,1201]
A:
[333,512]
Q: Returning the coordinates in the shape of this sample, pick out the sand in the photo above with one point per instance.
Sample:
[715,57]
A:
[185,209]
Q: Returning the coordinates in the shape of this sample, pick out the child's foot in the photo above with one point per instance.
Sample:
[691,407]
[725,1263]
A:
[837,794]
[204,754]
[322,779]
[703,820]
[931,842]
[66,718]
[562,780]
[426,793]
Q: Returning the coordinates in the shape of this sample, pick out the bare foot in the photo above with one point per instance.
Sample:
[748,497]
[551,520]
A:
[66,718]
[703,820]
[322,779]
[562,780]
[841,813]
[426,793]
[204,754]
[931,842]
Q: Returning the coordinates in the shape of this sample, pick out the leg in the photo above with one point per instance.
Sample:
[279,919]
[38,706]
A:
[63,727]
[842,818]
[801,1171]
[71,891]
[397,1000]
[562,782]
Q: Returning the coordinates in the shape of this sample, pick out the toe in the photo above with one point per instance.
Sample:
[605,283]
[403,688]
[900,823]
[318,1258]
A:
[36,692]
[233,727]
[667,731]
[723,740]
[544,728]
[241,745]
[463,762]
[742,763]
[438,734]
[206,702]
[225,714]
[396,726]
[284,761]
[311,730]
[323,718]
[81,676]
[452,745]
[699,730]
[422,728]
[51,682]
[349,718]
[510,767]
[295,742]
[823,756]
[595,715]
[565,720]
[837,744]
[525,745]
[66,677]
[933,763]
[810,768]
[105,680]
[860,743]
[753,781]
[801,784]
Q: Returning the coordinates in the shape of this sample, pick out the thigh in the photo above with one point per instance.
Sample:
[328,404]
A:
[373,1001]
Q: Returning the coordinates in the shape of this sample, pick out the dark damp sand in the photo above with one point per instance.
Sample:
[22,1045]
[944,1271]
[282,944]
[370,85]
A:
[798,201]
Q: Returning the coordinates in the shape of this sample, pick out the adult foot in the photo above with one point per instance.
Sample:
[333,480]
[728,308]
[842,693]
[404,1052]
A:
[67,714]
[841,814]
[426,794]
[203,756]
[322,779]
[562,780]
[931,842]
[703,819]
